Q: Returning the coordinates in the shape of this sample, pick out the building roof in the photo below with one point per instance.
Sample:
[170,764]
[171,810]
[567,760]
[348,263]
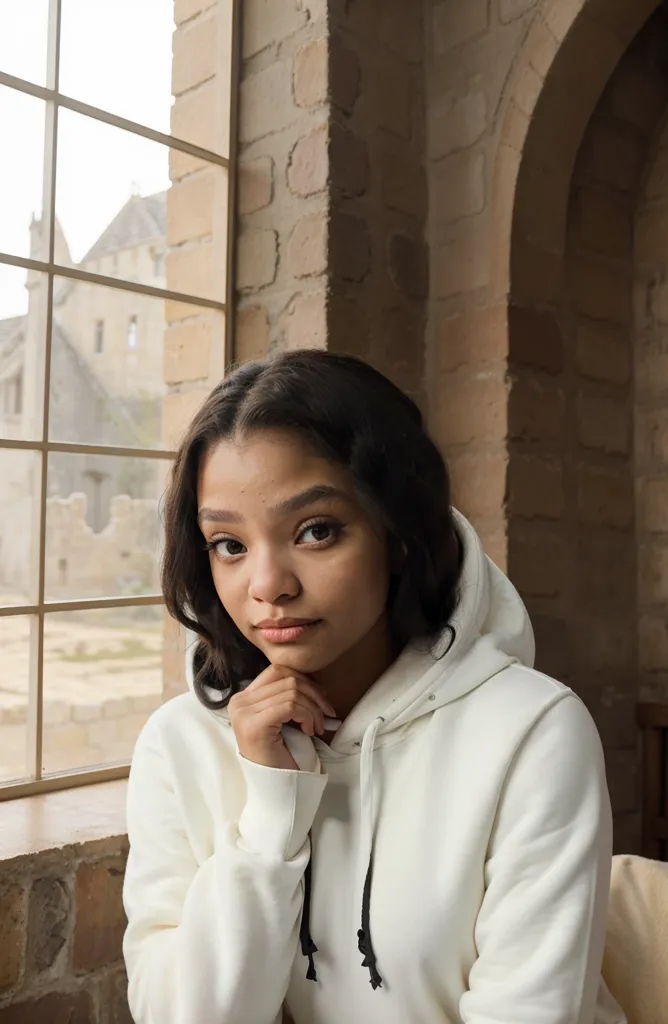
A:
[142,219]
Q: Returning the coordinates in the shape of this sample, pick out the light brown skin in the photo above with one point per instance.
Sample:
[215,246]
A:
[292,540]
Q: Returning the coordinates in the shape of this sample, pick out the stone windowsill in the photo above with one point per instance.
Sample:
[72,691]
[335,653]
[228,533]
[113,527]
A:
[72,817]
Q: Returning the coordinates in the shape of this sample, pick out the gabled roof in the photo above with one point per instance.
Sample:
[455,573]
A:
[142,219]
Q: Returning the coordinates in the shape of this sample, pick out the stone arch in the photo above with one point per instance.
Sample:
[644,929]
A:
[569,55]
[576,134]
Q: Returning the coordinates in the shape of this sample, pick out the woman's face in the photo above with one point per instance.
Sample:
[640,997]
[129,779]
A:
[298,564]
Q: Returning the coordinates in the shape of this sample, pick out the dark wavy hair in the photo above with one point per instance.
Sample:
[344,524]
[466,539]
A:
[351,414]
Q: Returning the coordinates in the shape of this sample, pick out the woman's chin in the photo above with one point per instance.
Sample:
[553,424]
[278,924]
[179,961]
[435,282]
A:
[297,658]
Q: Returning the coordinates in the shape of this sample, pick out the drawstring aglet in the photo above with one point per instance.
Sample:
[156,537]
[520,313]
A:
[369,961]
[309,949]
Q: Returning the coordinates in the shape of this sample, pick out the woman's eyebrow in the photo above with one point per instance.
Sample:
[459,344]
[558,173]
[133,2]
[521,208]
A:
[296,503]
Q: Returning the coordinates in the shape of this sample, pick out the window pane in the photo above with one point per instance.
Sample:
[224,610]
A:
[14,671]
[23,35]
[19,490]
[23,298]
[197,81]
[103,532]
[21,171]
[113,352]
[102,679]
[118,213]
[107,380]
[98,39]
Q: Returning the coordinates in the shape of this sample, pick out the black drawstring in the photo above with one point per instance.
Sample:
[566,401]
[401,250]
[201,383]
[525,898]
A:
[364,934]
[309,947]
[364,942]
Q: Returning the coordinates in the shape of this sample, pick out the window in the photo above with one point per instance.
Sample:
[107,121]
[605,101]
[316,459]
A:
[132,333]
[99,336]
[83,456]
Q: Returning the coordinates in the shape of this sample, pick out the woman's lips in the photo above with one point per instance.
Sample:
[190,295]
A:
[274,633]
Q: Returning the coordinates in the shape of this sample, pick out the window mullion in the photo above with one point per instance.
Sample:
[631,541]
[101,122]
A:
[232,184]
[42,386]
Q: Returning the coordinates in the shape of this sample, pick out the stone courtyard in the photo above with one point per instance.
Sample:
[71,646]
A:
[101,681]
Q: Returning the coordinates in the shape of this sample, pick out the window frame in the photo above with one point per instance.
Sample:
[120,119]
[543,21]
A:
[37,781]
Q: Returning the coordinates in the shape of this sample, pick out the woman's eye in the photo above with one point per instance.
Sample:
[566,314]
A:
[318,533]
[228,548]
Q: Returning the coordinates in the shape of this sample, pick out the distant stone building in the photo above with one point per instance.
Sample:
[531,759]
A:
[106,379]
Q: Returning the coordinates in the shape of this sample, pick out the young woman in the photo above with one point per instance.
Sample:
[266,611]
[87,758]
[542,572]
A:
[370,807]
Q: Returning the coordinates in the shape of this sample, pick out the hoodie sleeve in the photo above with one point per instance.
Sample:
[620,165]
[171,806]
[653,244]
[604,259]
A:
[214,942]
[540,932]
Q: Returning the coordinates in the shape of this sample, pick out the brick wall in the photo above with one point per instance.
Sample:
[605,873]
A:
[470,50]
[378,256]
[61,927]
[332,200]
[197,207]
[283,175]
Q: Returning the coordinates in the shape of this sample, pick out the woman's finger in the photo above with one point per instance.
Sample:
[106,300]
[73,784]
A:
[292,683]
[280,711]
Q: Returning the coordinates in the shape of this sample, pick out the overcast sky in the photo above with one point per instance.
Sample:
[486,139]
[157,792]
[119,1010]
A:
[115,54]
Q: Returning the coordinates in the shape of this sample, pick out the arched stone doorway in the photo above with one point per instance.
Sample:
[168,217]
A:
[580,198]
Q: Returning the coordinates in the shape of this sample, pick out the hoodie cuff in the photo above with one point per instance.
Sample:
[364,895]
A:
[279,810]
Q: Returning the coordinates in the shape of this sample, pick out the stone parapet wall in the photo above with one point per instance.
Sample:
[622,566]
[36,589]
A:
[61,929]
[120,560]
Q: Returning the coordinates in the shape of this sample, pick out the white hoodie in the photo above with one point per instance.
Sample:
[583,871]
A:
[465,794]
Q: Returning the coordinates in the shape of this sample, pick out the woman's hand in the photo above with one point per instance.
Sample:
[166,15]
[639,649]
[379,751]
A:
[258,713]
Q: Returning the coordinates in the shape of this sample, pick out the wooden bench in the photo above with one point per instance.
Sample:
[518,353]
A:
[653,721]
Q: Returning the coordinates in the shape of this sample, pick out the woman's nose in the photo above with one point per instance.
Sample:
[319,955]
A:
[271,579]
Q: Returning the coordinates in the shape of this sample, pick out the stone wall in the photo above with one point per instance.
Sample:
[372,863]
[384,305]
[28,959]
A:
[194,350]
[120,560]
[470,51]
[589,600]
[378,260]
[333,198]
[283,203]
[651,420]
[61,928]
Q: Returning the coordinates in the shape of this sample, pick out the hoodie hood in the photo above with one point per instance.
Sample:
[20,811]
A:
[490,629]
